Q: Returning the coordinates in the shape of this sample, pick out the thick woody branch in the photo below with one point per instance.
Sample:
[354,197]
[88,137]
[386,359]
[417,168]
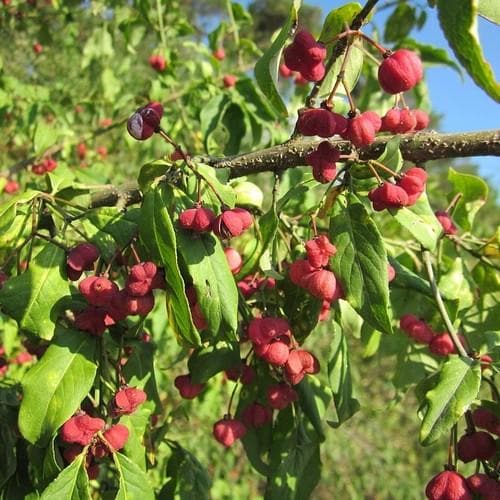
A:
[417,148]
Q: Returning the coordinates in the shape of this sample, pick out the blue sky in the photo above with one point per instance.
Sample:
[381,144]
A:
[462,104]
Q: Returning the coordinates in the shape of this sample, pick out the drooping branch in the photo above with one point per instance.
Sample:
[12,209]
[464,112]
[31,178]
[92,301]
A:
[418,148]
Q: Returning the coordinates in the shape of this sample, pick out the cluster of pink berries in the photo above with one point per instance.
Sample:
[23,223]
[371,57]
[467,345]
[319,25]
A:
[474,445]
[46,165]
[403,121]
[107,304]
[273,342]
[312,274]
[440,344]
[83,433]
[229,224]
[404,193]
[306,56]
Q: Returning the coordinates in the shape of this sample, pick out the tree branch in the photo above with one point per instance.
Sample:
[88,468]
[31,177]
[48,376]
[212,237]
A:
[418,148]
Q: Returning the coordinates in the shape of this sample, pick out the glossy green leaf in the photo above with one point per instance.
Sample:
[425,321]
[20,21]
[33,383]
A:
[454,286]
[489,9]
[44,137]
[35,298]
[420,221]
[8,208]
[458,19]
[456,388]
[296,465]
[138,424]
[72,483]
[8,462]
[391,157]
[187,478]
[314,398]
[204,363]
[225,191]
[134,483]
[211,116]
[407,279]
[67,370]
[339,377]
[215,286]
[335,23]
[266,69]
[474,193]
[158,235]
[401,21]
[361,263]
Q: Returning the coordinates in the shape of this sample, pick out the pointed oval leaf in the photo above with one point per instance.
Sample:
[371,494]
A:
[72,483]
[458,19]
[456,388]
[33,298]
[266,69]
[134,483]
[361,263]
[420,221]
[157,233]
[55,386]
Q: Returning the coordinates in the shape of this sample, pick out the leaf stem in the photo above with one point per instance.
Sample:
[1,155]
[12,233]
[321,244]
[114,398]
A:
[440,304]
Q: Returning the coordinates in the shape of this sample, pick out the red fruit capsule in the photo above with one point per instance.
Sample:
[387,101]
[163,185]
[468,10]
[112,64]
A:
[388,196]
[422,119]
[400,71]
[219,54]
[279,396]
[228,430]
[442,345]
[361,129]
[285,71]
[234,259]
[145,121]
[320,122]
[264,330]
[187,389]
[140,279]
[81,429]
[257,415]
[476,446]
[116,436]
[413,182]
[229,81]
[306,56]
[127,400]
[323,161]
[448,485]
[319,250]
[197,219]
[446,222]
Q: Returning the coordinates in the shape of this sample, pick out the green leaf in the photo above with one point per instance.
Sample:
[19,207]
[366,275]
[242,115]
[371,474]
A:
[407,279]
[391,156]
[474,194]
[454,286]
[296,460]
[339,377]
[489,9]
[225,191]
[204,363]
[210,117]
[266,69]
[335,23]
[8,209]
[44,136]
[361,263]
[400,22]
[314,398]
[8,462]
[72,483]
[301,309]
[34,298]
[420,221]
[458,19]
[215,286]
[158,235]
[67,370]
[134,483]
[187,478]
[457,387]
